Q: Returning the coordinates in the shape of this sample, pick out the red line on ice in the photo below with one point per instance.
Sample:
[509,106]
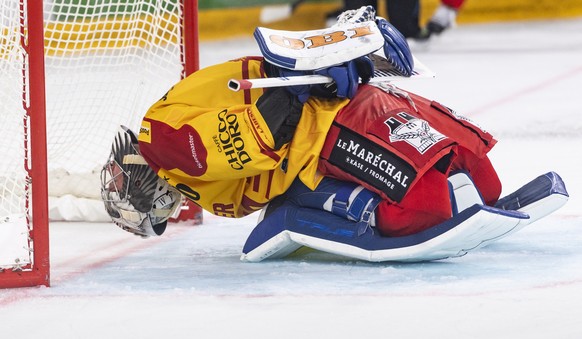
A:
[526,91]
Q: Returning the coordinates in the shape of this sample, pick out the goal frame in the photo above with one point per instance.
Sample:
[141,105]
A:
[34,102]
[39,272]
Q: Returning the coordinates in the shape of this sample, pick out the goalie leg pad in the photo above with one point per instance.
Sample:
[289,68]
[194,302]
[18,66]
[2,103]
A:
[538,198]
[290,227]
[276,235]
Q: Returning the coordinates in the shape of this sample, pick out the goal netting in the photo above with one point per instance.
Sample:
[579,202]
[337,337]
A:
[105,63]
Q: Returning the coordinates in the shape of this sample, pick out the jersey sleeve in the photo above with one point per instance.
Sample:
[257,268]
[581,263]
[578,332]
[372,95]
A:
[202,129]
[216,147]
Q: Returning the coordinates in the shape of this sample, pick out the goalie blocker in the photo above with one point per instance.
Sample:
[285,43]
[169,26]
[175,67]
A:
[311,57]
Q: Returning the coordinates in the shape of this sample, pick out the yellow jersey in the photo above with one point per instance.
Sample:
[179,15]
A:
[214,146]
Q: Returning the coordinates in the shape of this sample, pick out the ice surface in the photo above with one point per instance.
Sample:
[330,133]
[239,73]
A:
[521,81]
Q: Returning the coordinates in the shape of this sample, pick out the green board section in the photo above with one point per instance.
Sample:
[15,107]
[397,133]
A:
[75,9]
[217,4]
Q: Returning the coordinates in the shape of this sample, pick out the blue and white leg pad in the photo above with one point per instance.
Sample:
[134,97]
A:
[289,227]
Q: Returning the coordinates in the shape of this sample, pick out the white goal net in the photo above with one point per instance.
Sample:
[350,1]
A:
[106,62]
[115,60]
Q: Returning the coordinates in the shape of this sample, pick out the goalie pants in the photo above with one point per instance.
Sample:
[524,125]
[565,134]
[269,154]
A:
[403,147]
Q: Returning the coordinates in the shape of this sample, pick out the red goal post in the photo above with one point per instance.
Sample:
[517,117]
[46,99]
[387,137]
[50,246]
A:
[71,72]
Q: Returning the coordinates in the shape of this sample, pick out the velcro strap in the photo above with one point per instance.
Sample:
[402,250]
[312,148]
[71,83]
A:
[355,203]
[342,200]
[363,205]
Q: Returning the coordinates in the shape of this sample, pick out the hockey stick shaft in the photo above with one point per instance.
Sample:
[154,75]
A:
[240,84]
[380,75]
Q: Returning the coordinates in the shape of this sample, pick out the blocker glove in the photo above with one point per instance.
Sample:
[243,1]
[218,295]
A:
[301,91]
[396,48]
[346,78]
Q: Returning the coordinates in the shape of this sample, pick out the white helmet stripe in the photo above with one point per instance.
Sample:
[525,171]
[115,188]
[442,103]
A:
[134,159]
[131,216]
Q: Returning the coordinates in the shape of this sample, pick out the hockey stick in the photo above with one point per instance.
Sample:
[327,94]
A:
[242,84]
[420,71]
[382,73]
[274,13]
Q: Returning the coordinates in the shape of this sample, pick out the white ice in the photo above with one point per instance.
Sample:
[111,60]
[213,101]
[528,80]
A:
[521,81]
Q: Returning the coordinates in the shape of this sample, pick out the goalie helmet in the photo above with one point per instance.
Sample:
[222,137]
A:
[137,200]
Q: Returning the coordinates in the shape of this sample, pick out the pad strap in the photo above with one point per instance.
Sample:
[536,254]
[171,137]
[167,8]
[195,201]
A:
[357,203]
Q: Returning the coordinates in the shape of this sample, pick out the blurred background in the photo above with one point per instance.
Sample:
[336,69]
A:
[230,18]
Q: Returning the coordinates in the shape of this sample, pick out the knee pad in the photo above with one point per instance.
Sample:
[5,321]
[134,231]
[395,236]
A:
[463,192]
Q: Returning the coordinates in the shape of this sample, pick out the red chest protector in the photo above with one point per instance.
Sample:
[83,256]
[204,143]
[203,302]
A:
[387,142]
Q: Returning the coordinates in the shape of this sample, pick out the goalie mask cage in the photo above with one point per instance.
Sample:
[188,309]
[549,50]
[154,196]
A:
[71,72]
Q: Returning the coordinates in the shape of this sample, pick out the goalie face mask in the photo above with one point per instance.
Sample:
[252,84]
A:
[137,200]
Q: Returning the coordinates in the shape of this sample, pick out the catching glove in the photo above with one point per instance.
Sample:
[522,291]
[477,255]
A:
[396,48]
